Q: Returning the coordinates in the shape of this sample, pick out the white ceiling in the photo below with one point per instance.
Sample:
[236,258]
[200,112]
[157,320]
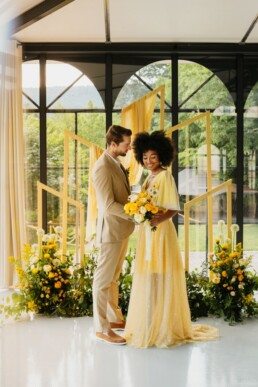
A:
[222,21]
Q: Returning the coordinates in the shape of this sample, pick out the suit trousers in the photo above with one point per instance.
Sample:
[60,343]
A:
[105,284]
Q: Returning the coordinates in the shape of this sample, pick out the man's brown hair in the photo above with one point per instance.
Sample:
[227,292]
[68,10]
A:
[115,133]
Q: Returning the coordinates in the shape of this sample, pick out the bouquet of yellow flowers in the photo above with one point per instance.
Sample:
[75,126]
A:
[232,282]
[140,206]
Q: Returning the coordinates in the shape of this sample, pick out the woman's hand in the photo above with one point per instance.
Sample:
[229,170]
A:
[161,216]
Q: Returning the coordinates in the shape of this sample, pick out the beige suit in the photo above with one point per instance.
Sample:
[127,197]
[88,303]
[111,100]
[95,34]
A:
[113,229]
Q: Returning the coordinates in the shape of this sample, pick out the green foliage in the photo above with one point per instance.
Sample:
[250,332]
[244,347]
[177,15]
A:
[197,284]
[125,282]
[205,297]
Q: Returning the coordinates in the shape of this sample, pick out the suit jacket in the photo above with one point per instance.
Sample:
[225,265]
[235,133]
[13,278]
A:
[112,191]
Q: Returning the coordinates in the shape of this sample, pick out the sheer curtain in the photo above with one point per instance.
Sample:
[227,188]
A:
[12,199]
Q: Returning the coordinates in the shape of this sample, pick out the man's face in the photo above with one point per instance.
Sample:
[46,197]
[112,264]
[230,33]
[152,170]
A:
[123,147]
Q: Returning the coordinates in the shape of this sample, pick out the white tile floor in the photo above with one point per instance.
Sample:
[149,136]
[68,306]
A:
[55,352]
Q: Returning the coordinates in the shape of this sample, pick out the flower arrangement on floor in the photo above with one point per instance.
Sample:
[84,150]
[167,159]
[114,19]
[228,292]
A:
[232,285]
[49,283]
[141,207]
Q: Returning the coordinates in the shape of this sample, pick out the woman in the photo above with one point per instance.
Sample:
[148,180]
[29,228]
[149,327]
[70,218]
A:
[159,313]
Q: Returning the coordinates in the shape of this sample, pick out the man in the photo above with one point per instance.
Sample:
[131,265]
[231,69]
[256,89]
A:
[113,229]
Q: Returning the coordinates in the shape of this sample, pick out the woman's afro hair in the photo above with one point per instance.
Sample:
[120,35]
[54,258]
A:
[155,141]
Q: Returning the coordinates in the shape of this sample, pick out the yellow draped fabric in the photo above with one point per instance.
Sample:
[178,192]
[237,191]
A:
[95,153]
[137,116]
[12,189]
[159,313]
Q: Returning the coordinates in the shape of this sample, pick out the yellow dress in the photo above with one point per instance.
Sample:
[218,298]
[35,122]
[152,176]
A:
[159,313]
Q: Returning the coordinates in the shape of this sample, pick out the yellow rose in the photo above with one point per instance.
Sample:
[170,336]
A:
[51,275]
[35,270]
[58,285]
[142,195]
[63,259]
[154,210]
[46,255]
[148,206]
[224,273]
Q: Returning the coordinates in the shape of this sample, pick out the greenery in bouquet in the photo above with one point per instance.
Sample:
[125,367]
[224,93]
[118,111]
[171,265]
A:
[232,285]
[141,206]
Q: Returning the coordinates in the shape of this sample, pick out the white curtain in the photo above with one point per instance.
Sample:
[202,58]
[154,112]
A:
[12,197]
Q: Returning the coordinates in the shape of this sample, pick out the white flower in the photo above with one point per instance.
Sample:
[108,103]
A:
[234,228]
[47,268]
[57,254]
[228,241]
[138,218]
[45,238]
[142,210]
[235,265]
[56,262]
[58,229]
[52,236]
[34,248]
[40,232]
[241,285]
[232,293]
[34,259]
[125,266]
[233,279]
[221,223]
[133,197]
[242,261]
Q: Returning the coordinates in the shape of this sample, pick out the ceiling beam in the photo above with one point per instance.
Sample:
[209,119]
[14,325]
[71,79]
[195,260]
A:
[141,48]
[107,20]
[35,14]
[250,29]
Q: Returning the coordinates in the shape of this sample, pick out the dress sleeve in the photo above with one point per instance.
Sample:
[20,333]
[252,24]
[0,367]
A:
[167,192]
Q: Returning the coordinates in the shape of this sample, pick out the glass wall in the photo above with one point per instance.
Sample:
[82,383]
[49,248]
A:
[71,99]
[251,171]
[204,83]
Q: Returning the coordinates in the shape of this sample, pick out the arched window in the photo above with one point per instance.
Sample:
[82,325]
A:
[199,90]
[73,103]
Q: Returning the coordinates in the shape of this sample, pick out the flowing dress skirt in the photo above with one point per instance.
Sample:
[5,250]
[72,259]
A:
[159,313]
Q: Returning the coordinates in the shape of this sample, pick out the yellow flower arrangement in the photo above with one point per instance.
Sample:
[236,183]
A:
[141,206]
[44,279]
[232,282]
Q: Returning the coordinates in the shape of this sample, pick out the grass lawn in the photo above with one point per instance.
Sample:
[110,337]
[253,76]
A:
[198,237]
